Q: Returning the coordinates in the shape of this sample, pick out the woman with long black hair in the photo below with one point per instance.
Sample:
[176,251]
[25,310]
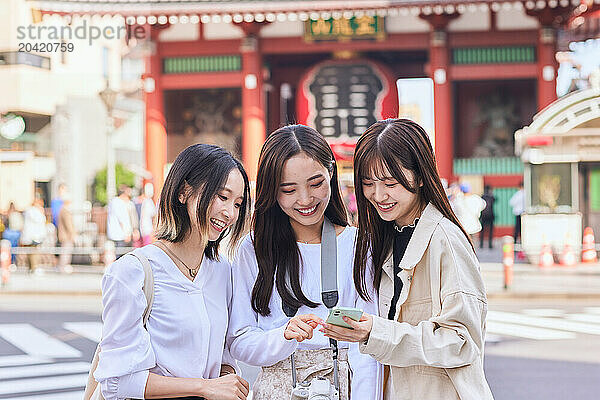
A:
[430,329]
[279,263]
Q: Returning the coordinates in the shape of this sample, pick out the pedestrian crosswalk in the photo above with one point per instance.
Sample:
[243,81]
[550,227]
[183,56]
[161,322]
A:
[48,369]
[41,366]
[544,323]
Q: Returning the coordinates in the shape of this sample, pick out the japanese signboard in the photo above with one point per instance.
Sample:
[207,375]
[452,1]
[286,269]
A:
[341,99]
[363,27]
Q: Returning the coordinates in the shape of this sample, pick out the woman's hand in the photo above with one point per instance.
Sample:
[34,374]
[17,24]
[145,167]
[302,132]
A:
[227,387]
[360,333]
[301,327]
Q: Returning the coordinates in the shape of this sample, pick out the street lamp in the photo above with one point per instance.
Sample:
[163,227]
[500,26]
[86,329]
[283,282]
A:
[109,98]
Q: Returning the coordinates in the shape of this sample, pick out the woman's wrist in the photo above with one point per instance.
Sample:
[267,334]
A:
[200,387]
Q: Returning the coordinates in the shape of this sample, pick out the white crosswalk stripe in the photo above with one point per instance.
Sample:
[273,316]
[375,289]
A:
[38,374]
[528,332]
[21,386]
[544,324]
[30,371]
[591,318]
[88,330]
[76,395]
[36,342]
[22,359]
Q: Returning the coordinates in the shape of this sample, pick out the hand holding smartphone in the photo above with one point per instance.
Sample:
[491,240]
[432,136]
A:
[336,314]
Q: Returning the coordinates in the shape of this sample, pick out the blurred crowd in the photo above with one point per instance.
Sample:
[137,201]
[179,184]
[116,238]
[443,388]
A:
[48,236]
[130,222]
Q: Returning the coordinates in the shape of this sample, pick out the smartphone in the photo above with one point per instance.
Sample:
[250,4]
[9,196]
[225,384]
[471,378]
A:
[336,314]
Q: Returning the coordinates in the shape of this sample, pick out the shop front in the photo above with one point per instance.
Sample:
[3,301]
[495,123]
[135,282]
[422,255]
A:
[560,151]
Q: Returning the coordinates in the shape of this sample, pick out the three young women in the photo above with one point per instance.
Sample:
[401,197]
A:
[180,352]
[432,304]
[279,263]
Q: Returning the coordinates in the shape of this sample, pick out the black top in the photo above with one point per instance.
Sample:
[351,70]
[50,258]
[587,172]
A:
[401,238]
[488,211]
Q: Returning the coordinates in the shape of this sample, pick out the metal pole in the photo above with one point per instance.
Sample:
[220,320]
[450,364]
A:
[110,164]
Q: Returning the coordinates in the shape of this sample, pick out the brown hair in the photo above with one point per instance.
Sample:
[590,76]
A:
[392,143]
[274,240]
[205,168]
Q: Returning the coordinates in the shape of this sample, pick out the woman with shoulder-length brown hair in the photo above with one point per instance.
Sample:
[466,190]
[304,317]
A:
[279,265]
[432,303]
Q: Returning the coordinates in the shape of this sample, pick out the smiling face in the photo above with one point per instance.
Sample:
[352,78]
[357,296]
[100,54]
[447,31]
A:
[392,201]
[225,206]
[305,190]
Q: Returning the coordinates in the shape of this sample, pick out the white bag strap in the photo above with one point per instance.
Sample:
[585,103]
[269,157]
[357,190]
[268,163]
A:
[92,391]
[148,287]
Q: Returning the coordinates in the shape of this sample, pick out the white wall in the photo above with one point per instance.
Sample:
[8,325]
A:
[39,90]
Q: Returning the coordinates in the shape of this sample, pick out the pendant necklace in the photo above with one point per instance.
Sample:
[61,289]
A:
[192,271]
[306,241]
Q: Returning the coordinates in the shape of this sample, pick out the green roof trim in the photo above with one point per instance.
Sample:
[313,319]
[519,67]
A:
[494,55]
[189,65]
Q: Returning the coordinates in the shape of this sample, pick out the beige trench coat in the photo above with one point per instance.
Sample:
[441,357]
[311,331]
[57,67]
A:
[436,350]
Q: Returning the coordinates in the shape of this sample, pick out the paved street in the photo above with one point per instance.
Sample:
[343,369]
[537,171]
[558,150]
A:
[535,349]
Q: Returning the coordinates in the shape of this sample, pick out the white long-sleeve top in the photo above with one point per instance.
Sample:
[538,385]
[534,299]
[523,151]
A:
[185,334]
[258,340]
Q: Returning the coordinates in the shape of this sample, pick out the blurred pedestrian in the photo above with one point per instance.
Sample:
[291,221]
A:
[118,223]
[66,235]
[13,228]
[517,202]
[487,216]
[34,231]
[468,207]
[57,203]
[146,211]
[350,201]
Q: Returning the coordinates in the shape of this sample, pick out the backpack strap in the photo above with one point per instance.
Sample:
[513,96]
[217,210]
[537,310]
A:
[148,287]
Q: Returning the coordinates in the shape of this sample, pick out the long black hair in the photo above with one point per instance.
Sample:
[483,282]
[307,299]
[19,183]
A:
[393,144]
[205,168]
[275,244]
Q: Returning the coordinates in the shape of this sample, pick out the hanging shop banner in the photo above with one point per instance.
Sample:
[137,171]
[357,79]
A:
[415,102]
[342,98]
[342,29]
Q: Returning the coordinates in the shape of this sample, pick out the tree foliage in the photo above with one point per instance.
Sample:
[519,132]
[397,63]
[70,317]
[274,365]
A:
[122,175]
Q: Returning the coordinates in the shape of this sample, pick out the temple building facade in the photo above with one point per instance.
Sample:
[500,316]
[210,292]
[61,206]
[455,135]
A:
[228,73]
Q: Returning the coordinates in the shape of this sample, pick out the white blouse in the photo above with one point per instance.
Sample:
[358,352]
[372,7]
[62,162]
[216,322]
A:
[185,334]
[258,340]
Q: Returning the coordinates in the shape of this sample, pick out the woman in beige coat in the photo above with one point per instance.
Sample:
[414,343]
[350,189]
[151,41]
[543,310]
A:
[432,304]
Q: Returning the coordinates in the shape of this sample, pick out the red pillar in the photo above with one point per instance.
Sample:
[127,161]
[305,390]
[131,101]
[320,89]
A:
[442,97]
[156,132]
[253,109]
[547,67]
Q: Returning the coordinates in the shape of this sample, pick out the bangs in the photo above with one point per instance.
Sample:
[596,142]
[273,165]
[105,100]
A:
[379,161]
[376,167]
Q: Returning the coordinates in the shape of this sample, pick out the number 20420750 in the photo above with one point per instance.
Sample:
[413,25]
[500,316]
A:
[47,47]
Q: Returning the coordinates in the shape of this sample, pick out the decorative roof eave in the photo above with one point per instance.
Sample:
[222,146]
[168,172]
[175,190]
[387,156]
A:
[561,116]
[175,11]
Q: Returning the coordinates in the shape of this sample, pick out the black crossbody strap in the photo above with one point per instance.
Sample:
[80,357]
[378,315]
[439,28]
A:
[329,290]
